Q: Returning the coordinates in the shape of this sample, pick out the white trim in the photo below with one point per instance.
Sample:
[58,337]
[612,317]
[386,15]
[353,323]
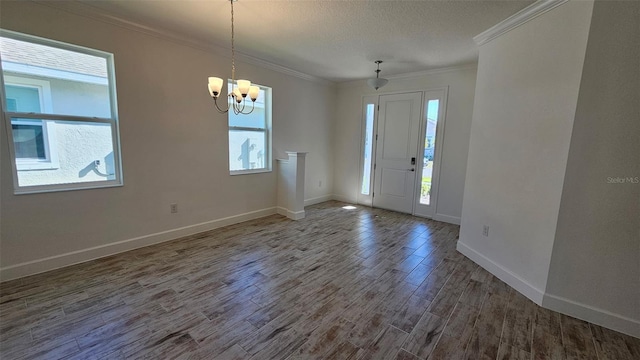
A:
[410,75]
[318,200]
[416,74]
[80,256]
[447,218]
[592,314]
[41,189]
[522,286]
[530,12]
[553,302]
[248,172]
[92,12]
[293,215]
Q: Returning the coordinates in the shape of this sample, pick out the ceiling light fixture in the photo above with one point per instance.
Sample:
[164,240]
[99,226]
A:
[377,82]
[238,95]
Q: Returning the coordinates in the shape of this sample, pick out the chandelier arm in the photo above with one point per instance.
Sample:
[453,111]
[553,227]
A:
[215,101]
[234,105]
[241,110]
[236,108]
[253,106]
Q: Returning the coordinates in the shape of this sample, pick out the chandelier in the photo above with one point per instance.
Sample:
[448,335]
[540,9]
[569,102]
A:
[377,82]
[237,98]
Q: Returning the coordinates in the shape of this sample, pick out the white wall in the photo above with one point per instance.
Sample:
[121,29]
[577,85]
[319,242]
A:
[461,83]
[596,253]
[526,94]
[174,148]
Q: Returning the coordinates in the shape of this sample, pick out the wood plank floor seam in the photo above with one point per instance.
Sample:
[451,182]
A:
[339,284]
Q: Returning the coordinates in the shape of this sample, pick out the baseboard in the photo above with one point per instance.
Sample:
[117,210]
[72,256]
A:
[80,256]
[447,218]
[293,215]
[343,199]
[513,280]
[592,314]
[318,200]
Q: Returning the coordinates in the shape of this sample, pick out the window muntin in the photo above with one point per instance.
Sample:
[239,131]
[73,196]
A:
[250,136]
[60,113]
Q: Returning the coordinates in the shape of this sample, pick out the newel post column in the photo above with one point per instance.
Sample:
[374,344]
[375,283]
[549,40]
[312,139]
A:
[291,185]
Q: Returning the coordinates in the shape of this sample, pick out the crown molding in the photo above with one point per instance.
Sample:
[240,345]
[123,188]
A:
[94,13]
[530,12]
[411,75]
[432,71]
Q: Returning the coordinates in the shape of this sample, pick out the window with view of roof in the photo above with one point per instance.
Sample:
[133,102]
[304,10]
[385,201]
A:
[61,115]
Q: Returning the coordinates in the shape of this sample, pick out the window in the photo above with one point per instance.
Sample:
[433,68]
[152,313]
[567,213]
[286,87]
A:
[429,151]
[31,137]
[367,151]
[250,136]
[59,110]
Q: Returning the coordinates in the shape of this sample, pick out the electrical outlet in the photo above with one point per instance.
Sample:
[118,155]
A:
[174,208]
[485,230]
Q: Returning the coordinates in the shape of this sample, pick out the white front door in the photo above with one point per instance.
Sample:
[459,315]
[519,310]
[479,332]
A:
[397,151]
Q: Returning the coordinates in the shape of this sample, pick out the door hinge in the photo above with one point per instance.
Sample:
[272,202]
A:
[378,107]
[374,166]
[373,195]
[376,137]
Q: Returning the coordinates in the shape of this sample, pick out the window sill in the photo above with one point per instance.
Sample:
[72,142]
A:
[70,187]
[247,172]
[34,166]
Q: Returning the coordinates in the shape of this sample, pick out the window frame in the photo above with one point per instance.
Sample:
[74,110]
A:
[43,87]
[267,130]
[7,117]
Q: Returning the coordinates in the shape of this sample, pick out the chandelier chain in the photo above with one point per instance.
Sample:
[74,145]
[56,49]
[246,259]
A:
[233,49]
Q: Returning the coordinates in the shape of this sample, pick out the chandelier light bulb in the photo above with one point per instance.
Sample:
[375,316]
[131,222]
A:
[253,92]
[243,86]
[237,95]
[215,86]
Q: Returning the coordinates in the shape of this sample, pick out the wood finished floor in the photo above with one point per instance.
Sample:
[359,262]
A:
[340,284]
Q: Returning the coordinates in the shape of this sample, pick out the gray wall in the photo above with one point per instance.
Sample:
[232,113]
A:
[596,253]
[174,147]
[461,84]
[526,93]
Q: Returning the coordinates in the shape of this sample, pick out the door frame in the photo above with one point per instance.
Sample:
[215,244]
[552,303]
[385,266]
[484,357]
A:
[375,99]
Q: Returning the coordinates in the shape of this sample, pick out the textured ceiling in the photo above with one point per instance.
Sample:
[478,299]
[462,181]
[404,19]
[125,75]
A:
[334,40]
